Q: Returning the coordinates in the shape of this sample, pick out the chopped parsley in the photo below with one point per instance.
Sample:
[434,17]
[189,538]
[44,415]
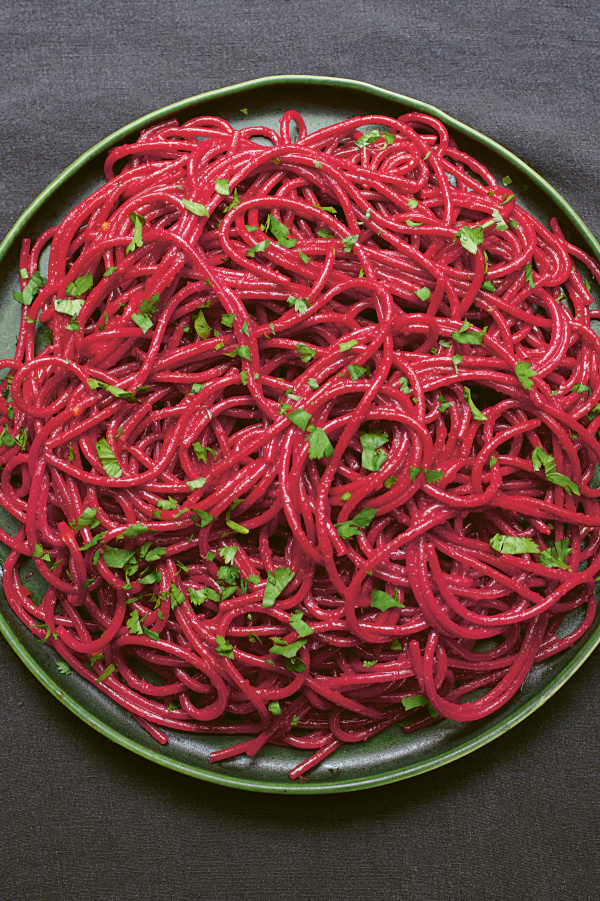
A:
[471,238]
[108,459]
[319,445]
[354,526]
[198,209]
[540,458]
[277,581]
[525,374]
[513,544]
[137,241]
[373,457]
[464,336]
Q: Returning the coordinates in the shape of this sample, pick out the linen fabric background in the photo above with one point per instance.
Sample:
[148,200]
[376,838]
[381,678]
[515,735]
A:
[81,817]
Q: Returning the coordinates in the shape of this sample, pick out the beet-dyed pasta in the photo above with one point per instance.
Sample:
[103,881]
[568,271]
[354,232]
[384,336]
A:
[300,431]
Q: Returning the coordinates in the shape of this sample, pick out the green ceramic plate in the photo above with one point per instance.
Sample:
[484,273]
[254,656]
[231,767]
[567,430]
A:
[391,755]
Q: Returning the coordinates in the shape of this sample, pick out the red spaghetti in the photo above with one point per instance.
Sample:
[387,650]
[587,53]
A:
[309,448]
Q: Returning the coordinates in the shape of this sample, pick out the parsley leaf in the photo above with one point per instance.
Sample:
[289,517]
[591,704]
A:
[280,232]
[277,580]
[372,457]
[529,275]
[63,667]
[319,445]
[423,293]
[224,648]
[108,460]
[354,526]
[80,285]
[349,242]
[477,414]
[222,187]
[556,556]
[262,245]
[355,371]
[471,238]
[298,303]
[540,458]
[302,629]
[68,306]
[381,600]
[198,209]
[138,222]
[464,336]
[300,418]
[525,373]
[87,520]
[306,353]
[31,289]
[512,544]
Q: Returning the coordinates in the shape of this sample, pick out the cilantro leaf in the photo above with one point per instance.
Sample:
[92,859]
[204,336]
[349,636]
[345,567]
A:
[488,286]
[63,667]
[108,460]
[346,345]
[513,544]
[349,242]
[274,707]
[277,580]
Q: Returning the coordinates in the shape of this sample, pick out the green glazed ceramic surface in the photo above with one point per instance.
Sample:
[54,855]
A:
[391,755]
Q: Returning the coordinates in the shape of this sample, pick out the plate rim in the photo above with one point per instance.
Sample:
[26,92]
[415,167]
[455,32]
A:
[203,771]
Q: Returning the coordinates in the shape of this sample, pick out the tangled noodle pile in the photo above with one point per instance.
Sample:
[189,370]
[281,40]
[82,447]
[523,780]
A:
[308,448]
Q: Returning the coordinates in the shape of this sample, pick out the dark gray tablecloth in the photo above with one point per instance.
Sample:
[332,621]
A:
[81,818]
